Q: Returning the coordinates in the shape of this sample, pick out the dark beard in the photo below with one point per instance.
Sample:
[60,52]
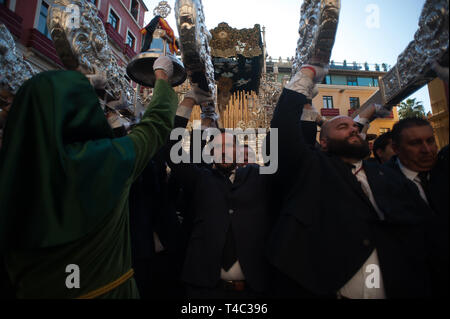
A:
[342,148]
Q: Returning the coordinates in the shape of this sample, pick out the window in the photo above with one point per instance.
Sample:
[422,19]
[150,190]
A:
[130,40]
[338,80]
[134,9]
[363,81]
[42,24]
[114,20]
[375,82]
[354,103]
[352,81]
[328,79]
[328,102]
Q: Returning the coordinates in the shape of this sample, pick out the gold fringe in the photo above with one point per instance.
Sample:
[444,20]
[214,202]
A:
[103,290]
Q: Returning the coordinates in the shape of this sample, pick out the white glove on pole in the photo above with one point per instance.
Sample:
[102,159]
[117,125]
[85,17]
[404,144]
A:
[165,64]
[302,83]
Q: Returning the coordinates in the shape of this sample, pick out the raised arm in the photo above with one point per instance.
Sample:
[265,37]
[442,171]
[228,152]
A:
[293,148]
[152,132]
[188,172]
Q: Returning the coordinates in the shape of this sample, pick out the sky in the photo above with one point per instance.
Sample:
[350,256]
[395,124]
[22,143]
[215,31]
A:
[373,31]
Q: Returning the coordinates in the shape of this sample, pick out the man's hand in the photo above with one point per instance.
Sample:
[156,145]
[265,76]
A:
[372,111]
[163,67]
[305,80]
[318,72]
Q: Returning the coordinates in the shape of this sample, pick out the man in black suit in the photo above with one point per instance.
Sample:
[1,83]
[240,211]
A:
[155,234]
[231,222]
[347,227]
[382,148]
[418,160]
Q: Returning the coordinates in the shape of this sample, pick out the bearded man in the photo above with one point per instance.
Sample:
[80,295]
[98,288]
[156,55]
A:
[348,228]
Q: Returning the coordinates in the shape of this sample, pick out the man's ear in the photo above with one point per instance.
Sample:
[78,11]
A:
[379,151]
[395,148]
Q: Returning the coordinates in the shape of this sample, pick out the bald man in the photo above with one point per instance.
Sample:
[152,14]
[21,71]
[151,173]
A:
[348,228]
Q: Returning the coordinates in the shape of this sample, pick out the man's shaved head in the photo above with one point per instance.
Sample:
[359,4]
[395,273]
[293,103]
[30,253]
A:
[325,127]
[340,136]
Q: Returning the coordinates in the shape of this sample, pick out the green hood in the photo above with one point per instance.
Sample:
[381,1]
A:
[61,170]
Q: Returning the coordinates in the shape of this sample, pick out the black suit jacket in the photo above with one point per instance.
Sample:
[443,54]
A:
[216,204]
[437,229]
[150,211]
[328,227]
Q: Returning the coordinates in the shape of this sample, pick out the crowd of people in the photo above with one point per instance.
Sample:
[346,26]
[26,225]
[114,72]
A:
[331,223]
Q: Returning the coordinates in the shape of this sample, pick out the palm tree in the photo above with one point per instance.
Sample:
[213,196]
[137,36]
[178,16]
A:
[411,108]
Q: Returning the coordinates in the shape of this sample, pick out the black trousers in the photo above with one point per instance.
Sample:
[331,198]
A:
[6,289]
[283,287]
[158,278]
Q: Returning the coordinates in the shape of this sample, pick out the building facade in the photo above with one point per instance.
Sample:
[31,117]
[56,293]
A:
[26,20]
[344,90]
[439,104]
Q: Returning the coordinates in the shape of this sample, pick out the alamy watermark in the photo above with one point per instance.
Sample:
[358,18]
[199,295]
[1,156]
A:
[73,279]
[373,19]
[228,150]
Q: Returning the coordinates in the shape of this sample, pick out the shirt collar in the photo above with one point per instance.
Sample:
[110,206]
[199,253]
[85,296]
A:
[358,166]
[406,171]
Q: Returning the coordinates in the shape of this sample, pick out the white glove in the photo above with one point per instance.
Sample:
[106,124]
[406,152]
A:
[200,96]
[301,83]
[319,72]
[310,113]
[164,63]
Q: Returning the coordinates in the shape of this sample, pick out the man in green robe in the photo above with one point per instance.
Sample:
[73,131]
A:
[64,184]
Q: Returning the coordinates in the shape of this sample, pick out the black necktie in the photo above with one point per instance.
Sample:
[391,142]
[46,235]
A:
[229,251]
[425,183]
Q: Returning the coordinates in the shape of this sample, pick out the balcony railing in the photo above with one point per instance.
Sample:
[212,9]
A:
[11,20]
[129,52]
[335,65]
[115,36]
[330,112]
[43,45]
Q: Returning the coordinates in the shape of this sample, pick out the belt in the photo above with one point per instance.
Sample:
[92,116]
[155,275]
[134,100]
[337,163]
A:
[105,289]
[234,285]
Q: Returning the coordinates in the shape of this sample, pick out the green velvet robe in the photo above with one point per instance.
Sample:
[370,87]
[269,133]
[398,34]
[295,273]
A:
[64,185]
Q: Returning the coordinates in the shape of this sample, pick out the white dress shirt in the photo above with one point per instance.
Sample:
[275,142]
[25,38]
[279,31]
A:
[413,176]
[357,288]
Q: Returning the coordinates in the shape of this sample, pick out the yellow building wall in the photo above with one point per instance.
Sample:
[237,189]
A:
[341,99]
[439,106]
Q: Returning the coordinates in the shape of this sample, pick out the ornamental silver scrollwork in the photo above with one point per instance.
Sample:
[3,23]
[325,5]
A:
[430,45]
[195,48]
[14,70]
[81,42]
[317,31]
[163,9]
